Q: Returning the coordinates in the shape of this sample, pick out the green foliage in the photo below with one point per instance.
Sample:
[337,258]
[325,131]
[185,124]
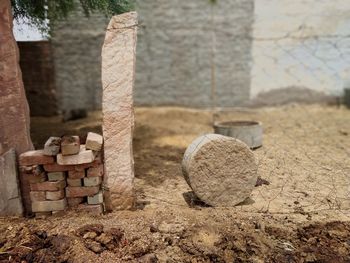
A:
[38,12]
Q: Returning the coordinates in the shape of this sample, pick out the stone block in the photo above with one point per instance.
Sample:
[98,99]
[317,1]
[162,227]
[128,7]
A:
[91,209]
[92,181]
[37,196]
[55,195]
[48,206]
[83,157]
[74,182]
[75,201]
[48,186]
[95,171]
[52,146]
[35,157]
[118,74]
[95,199]
[94,141]
[56,176]
[81,191]
[76,174]
[10,196]
[70,145]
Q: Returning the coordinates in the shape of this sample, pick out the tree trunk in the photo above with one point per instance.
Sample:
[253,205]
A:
[14,110]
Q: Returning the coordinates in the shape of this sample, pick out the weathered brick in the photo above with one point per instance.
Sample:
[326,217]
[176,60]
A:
[70,145]
[56,176]
[95,199]
[74,182]
[40,178]
[52,146]
[63,168]
[55,195]
[91,209]
[95,171]
[37,196]
[94,141]
[35,157]
[81,191]
[58,168]
[48,186]
[76,174]
[92,181]
[74,201]
[84,156]
[31,169]
[26,169]
[48,206]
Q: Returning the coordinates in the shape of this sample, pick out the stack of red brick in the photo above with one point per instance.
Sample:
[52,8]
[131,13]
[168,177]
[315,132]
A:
[65,174]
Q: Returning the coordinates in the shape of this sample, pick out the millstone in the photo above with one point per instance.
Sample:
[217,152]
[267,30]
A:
[221,170]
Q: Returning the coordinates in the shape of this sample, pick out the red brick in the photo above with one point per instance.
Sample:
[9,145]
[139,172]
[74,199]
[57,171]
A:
[55,195]
[48,186]
[92,181]
[58,168]
[63,168]
[35,157]
[70,145]
[94,141]
[74,182]
[37,196]
[40,178]
[95,171]
[76,174]
[74,201]
[81,191]
[52,146]
[83,157]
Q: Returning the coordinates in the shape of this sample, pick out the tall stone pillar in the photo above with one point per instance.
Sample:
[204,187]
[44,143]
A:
[118,75]
[14,110]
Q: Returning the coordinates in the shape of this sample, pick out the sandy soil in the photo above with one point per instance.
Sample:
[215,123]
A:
[301,215]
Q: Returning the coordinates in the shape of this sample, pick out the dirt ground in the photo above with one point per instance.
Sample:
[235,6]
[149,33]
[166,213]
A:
[300,212]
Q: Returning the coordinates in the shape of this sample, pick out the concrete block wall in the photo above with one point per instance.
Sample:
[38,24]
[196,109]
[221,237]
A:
[174,52]
[267,52]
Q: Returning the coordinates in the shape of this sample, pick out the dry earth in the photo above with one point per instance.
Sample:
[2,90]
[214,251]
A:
[298,213]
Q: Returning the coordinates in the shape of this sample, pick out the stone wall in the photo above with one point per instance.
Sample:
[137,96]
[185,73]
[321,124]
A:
[37,67]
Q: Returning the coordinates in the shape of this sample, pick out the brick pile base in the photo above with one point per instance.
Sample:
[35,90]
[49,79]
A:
[65,174]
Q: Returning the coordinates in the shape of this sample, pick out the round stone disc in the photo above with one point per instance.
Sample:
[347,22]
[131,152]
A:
[221,170]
